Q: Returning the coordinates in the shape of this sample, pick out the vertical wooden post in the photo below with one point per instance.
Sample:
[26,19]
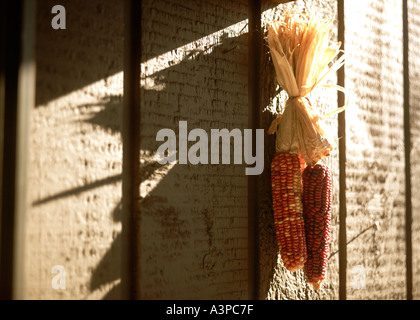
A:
[17,100]
[254,55]
[407,150]
[342,255]
[131,148]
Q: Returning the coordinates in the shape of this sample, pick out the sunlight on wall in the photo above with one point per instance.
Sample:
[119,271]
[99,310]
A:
[75,192]
[189,51]
[150,81]
[375,174]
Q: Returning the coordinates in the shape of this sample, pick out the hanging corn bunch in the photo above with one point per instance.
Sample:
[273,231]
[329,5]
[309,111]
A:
[303,58]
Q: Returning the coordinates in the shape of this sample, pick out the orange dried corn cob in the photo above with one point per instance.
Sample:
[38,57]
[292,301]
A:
[286,181]
[316,199]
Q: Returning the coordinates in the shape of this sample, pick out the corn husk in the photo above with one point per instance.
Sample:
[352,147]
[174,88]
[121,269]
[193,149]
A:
[303,57]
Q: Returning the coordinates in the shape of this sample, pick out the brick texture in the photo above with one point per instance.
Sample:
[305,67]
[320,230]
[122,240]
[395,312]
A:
[74,182]
[193,218]
[375,151]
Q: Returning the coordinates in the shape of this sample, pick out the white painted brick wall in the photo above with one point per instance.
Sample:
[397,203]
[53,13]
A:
[375,148]
[193,223]
[75,166]
[192,220]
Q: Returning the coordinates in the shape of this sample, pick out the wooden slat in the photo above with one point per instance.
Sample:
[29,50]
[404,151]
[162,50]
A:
[131,148]
[255,43]
[25,104]
[342,215]
[407,156]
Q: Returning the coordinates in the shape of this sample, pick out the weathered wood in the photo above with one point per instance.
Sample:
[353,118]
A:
[17,100]
[131,148]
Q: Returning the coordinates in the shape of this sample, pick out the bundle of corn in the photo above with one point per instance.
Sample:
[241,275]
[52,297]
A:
[302,58]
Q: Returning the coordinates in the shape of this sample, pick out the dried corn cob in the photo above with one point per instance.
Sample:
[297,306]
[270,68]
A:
[316,201]
[286,184]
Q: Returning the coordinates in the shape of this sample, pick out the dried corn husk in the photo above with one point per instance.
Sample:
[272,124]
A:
[303,57]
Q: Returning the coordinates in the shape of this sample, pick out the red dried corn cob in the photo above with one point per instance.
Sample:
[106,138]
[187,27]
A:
[316,199]
[286,182]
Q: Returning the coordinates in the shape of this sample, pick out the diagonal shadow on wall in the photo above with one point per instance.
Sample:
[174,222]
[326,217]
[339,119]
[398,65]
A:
[181,204]
[193,218]
[90,48]
[64,67]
